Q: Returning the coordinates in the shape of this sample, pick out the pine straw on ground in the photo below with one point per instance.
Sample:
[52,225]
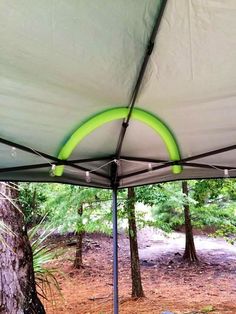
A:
[169,284]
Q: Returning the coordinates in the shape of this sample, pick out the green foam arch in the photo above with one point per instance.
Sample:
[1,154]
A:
[115,114]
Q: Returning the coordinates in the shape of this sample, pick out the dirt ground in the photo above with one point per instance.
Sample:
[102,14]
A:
[169,284]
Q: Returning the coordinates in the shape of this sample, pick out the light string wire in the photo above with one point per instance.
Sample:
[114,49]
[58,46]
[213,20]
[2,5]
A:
[149,164]
[36,153]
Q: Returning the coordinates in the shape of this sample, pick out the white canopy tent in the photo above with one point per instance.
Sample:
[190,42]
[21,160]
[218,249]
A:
[88,97]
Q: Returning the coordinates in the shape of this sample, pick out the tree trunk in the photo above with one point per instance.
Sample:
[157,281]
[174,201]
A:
[17,283]
[190,252]
[137,289]
[78,263]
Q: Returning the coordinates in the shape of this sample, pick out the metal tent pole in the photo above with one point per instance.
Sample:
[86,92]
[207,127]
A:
[115,252]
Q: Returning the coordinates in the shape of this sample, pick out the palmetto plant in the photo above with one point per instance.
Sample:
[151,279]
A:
[42,255]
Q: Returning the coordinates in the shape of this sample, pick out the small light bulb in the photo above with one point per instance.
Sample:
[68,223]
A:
[149,166]
[13,152]
[117,162]
[226,173]
[52,171]
[87,176]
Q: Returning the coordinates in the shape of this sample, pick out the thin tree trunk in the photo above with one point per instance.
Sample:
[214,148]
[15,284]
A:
[17,282]
[137,289]
[78,263]
[190,251]
[33,206]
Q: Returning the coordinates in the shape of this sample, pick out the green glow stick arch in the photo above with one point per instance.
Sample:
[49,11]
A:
[115,114]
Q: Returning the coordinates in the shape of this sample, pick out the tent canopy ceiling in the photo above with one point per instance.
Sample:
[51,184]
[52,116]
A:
[69,68]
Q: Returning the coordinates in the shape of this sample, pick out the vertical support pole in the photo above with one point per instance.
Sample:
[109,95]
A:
[115,252]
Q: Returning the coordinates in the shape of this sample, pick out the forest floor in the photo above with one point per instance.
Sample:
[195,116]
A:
[168,282]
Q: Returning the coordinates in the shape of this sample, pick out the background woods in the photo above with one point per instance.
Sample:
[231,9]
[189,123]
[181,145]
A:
[75,214]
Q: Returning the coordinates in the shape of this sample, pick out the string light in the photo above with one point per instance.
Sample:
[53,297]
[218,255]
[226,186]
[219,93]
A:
[87,177]
[149,166]
[226,173]
[13,152]
[52,171]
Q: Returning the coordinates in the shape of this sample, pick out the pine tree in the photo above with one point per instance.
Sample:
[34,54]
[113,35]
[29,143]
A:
[190,251]
[137,289]
[18,293]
